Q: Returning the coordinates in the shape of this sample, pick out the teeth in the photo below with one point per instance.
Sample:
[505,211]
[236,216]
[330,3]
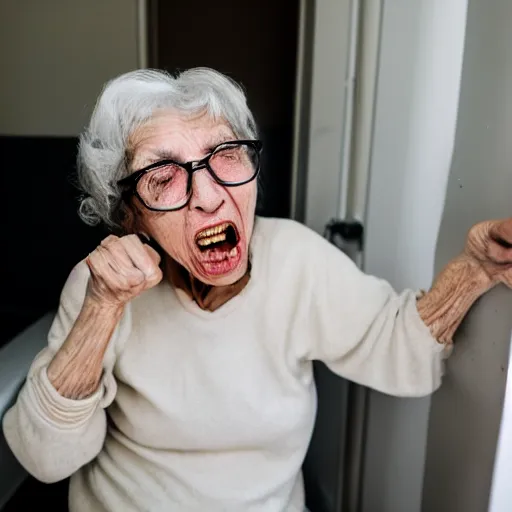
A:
[213,256]
[203,242]
[213,231]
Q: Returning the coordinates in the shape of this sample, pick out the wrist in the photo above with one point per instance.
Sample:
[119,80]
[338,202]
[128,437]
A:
[102,307]
[479,279]
[462,282]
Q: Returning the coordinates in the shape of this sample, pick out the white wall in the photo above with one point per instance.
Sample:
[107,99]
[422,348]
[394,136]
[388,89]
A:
[501,495]
[415,118]
[465,413]
[330,55]
[55,56]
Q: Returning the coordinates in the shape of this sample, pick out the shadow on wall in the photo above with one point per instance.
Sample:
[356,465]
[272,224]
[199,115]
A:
[42,233]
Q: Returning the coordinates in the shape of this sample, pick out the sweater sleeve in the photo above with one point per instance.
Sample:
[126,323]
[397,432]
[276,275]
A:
[366,332]
[50,435]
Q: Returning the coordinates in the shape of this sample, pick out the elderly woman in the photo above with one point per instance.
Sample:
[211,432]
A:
[178,373]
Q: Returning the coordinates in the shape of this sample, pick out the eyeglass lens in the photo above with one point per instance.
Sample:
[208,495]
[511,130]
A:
[167,186]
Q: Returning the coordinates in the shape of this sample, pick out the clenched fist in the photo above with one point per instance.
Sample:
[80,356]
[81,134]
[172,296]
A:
[121,269]
[490,243]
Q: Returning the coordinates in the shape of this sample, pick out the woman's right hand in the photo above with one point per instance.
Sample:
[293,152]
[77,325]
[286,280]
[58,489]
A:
[121,269]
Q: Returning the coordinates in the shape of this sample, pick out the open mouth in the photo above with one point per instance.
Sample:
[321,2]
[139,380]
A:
[219,249]
[222,238]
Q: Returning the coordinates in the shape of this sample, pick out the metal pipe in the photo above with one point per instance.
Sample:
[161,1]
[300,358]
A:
[349,110]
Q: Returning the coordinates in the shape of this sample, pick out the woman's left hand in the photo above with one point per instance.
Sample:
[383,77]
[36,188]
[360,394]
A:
[490,244]
[486,262]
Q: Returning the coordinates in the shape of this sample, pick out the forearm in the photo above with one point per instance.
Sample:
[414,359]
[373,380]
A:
[76,369]
[455,290]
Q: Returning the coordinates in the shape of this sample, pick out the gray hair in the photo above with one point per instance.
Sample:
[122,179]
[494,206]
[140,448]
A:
[125,104]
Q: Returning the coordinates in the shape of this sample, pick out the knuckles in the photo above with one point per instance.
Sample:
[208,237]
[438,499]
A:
[109,240]
[130,280]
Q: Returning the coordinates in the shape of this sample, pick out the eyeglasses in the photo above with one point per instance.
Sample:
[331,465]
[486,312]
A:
[167,185]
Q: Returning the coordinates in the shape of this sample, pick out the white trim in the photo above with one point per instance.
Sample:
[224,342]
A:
[501,497]
[348,120]
[298,107]
[366,86]
[326,111]
[142,34]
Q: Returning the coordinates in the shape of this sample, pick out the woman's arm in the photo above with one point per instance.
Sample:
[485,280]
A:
[486,261]
[53,435]
[58,422]
[75,371]
[395,343]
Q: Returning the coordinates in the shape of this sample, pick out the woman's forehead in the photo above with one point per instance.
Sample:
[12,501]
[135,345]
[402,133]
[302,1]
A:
[170,135]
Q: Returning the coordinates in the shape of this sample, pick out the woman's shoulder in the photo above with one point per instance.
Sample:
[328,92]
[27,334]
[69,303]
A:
[285,243]
[75,286]
[289,249]
[288,236]
[274,229]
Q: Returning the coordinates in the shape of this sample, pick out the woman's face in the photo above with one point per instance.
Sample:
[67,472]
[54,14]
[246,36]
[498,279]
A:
[184,234]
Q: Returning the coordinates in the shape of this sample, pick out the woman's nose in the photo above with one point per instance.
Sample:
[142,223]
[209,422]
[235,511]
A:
[207,194]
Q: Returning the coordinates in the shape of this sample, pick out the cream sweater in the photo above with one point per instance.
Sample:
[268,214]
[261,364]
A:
[203,411]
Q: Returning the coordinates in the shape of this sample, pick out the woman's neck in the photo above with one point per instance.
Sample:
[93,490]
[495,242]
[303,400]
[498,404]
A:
[207,297]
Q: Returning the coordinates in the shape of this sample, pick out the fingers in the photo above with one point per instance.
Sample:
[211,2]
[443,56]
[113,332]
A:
[499,254]
[120,261]
[121,268]
[155,258]
[500,246]
[142,256]
[113,274]
[129,252]
[153,254]
[149,245]
[501,232]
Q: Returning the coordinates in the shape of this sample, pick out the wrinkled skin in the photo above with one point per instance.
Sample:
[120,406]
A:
[188,139]
[490,244]
[485,262]
[121,269]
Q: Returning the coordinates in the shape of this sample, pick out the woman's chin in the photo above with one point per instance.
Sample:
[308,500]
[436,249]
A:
[221,268]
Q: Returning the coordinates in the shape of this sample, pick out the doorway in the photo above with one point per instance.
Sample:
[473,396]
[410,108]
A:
[256,45]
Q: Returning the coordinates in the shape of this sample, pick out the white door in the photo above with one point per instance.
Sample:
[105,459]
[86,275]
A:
[339,42]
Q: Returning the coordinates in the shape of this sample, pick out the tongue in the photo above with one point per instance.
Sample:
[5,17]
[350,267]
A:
[220,247]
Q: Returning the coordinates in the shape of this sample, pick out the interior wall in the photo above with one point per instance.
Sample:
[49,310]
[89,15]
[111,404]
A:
[414,129]
[467,410]
[501,497]
[55,56]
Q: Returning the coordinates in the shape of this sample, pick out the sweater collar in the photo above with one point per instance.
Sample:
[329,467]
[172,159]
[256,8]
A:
[207,297]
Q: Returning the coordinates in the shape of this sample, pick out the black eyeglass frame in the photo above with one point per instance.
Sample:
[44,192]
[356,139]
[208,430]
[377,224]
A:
[130,182]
